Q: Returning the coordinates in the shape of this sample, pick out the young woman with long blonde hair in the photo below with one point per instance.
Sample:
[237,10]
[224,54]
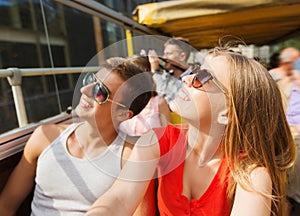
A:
[231,159]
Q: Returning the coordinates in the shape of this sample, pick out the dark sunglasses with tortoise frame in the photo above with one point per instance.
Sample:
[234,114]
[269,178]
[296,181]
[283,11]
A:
[202,76]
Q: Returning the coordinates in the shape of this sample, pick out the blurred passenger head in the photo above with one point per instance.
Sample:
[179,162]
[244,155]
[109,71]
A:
[288,57]
[177,49]
[274,61]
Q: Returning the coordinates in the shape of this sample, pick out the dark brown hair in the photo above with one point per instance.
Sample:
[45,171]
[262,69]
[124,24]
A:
[139,84]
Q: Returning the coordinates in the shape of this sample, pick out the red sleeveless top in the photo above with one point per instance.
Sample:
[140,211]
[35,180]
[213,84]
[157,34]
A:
[213,202]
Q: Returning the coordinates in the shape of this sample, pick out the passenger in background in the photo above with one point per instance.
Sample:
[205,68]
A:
[155,114]
[72,165]
[285,69]
[175,60]
[274,61]
[231,160]
[288,80]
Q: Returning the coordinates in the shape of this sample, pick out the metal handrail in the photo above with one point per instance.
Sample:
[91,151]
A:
[14,76]
[46,71]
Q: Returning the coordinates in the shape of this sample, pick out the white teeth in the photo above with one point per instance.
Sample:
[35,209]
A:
[85,103]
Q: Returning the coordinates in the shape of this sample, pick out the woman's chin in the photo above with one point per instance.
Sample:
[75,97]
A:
[173,106]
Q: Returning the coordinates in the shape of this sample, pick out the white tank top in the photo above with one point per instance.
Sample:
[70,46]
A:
[66,185]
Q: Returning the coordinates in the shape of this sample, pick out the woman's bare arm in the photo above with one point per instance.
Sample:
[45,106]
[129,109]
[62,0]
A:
[250,202]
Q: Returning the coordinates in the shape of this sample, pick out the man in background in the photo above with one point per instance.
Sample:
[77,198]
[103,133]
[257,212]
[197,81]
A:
[176,54]
[174,61]
[288,80]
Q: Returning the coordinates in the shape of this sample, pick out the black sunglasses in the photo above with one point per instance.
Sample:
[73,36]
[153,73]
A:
[100,91]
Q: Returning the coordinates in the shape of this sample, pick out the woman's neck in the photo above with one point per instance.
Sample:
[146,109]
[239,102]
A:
[205,143]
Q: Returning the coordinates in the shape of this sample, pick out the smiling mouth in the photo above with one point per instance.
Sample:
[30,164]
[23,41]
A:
[84,103]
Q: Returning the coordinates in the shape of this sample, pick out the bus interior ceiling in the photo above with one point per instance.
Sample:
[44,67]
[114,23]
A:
[263,22]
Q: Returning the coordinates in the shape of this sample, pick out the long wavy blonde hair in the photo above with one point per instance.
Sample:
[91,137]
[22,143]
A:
[257,129]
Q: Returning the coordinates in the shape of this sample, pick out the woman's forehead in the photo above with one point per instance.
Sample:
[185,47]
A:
[214,63]
[217,65]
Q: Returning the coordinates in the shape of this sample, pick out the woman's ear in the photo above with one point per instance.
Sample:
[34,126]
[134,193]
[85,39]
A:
[124,114]
[223,117]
